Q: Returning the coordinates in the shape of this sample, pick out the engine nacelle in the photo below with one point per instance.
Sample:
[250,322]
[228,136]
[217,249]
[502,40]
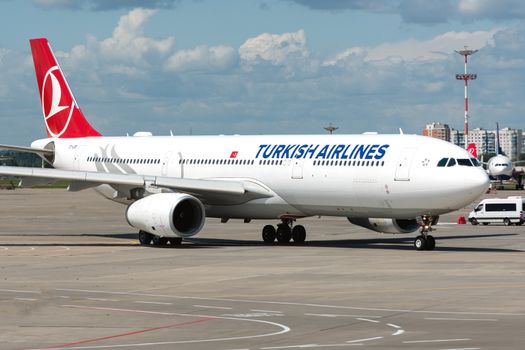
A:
[167,214]
[386,225]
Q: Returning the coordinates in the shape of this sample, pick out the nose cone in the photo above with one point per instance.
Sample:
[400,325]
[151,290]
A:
[476,183]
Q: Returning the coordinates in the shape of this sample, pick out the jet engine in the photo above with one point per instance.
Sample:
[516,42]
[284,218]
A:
[167,214]
[385,225]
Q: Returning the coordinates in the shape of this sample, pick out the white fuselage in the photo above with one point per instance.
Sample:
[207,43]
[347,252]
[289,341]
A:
[392,176]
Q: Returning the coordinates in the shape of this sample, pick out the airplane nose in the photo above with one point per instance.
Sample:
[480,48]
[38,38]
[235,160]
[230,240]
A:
[477,183]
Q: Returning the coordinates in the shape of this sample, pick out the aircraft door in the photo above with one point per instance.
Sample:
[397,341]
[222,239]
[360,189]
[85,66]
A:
[171,164]
[404,163]
[297,168]
[77,158]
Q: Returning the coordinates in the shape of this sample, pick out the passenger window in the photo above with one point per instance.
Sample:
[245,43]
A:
[451,162]
[442,162]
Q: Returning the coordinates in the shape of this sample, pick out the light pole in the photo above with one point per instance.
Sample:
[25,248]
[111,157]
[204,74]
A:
[466,77]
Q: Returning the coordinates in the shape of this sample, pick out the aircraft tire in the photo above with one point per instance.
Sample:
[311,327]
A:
[283,233]
[431,243]
[420,243]
[299,234]
[159,241]
[145,237]
[268,234]
[175,241]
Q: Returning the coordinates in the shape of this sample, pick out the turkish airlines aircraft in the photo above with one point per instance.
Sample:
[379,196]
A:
[499,167]
[386,183]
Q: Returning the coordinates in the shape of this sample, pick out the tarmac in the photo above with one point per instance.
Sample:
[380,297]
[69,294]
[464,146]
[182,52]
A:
[72,276]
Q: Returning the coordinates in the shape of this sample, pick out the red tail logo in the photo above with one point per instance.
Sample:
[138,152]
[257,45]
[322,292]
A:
[472,150]
[62,116]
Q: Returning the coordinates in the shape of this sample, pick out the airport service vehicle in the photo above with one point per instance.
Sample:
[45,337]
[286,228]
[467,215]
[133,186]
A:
[170,184]
[506,211]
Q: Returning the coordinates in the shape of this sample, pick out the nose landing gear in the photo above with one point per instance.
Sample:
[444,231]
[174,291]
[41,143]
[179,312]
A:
[425,241]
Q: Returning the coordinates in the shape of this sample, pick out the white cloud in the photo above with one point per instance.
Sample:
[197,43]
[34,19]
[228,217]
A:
[128,51]
[203,58]
[277,49]
[437,48]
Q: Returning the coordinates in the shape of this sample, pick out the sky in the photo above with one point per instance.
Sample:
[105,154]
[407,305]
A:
[266,66]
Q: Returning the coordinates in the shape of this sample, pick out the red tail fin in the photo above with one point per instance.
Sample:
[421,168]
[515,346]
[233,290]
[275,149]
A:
[472,150]
[62,116]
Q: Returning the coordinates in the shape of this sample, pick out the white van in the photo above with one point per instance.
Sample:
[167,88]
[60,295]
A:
[507,211]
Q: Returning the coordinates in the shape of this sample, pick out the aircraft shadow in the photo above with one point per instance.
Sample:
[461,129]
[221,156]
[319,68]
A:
[396,243]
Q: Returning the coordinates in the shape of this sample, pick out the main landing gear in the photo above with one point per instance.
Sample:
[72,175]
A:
[425,241]
[284,233]
[146,238]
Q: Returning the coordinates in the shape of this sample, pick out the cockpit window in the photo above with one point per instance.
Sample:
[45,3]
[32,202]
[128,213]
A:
[443,162]
[475,162]
[464,162]
[451,162]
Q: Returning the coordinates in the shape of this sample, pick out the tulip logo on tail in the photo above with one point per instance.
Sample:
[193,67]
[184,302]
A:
[62,116]
[472,150]
[56,116]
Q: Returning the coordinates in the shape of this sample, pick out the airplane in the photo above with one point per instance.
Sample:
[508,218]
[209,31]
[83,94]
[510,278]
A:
[500,167]
[170,184]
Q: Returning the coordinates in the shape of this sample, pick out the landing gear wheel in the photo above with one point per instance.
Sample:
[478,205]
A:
[507,222]
[175,241]
[431,243]
[474,221]
[159,241]
[283,233]
[268,234]
[145,237]
[299,234]
[420,243]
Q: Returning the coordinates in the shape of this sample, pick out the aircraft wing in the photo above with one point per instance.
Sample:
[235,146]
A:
[209,190]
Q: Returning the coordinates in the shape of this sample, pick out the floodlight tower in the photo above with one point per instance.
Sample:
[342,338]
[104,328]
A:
[466,77]
[331,128]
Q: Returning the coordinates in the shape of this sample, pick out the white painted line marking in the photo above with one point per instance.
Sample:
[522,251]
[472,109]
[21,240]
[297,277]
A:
[339,315]
[308,346]
[101,299]
[64,296]
[26,299]
[398,332]
[214,307]
[20,291]
[434,341]
[292,303]
[462,349]
[364,340]
[321,315]
[461,319]
[26,250]
[393,325]
[275,312]
[152,302]
[283,329]
[367,320]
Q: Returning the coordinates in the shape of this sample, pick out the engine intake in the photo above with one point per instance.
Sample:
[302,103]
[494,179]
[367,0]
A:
[167,215]
[386,225]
